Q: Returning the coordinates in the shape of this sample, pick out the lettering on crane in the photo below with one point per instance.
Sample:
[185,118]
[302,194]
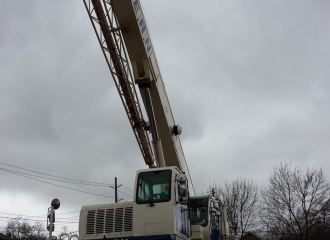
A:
[147,44]
[142,25]
[136,5]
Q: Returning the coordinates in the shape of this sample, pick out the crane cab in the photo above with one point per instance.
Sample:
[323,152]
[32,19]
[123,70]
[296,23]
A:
[160,196]
[204,217]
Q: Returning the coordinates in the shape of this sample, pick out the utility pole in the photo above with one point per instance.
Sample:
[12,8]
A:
[116,190]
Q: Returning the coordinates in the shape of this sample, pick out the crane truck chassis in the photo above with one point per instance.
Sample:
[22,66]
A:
[164,205]
[160,210]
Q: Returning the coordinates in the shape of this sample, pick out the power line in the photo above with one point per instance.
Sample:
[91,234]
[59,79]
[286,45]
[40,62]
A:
[74,217]
[107,184]
[38,216]
[77,190]
[128,188]
[22,174]
[124,194]
[12,171]
[116,190]
[34,220]
[67,212]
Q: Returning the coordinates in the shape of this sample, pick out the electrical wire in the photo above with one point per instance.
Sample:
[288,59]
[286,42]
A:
[128,189]
[73,189]
[22,174]
[39,215]
[87,184]
[67,212]
[36,216]
[107,184]
[34,220]
[123,193]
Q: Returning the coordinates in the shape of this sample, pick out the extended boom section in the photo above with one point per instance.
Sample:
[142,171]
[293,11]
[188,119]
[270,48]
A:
[109,36]
[146,74]
[164,205]
[120,25]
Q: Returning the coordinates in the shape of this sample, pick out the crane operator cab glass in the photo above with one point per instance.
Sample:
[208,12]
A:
[154,187]
[198,210]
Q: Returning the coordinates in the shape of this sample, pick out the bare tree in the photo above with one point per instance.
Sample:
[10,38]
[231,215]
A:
[241,200]
[65,233]
[21,229]
[295,203]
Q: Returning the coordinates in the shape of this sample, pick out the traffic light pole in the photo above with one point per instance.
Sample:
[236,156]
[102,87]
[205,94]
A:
[51,224]
[55,204]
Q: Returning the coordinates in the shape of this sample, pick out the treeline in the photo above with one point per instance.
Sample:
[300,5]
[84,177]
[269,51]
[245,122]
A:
[294,206]
[17,228]
[20,229]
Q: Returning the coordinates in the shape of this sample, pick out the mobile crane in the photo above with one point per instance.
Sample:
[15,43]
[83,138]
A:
[164,204]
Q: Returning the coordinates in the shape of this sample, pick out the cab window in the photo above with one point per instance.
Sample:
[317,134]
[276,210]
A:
[198,210]
[154,187]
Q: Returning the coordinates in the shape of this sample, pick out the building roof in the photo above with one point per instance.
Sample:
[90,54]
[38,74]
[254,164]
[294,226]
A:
[250,236]
[4,237]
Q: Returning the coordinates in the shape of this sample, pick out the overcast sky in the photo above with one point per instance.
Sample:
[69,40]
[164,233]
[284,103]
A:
[248,81]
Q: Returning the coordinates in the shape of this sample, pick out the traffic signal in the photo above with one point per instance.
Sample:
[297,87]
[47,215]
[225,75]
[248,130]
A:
[51,220]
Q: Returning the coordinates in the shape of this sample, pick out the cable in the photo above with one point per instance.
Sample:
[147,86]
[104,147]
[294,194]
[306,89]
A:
[36,220]
[81,182]
[24,175]
[124,194]
[54,175]
[41,216]
[87,184]
[72,218]
[75,181]
[67,212]
[128,189]
[62,186]
[36,216]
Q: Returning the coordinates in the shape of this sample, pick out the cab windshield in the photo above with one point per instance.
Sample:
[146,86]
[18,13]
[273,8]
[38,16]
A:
[154,187]
[198,210]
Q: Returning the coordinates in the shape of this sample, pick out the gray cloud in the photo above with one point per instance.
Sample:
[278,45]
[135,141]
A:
[247,80]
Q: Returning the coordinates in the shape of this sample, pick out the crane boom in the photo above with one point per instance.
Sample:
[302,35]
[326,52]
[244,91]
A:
[112,45]
[163,194]
[146,70]
[123,20]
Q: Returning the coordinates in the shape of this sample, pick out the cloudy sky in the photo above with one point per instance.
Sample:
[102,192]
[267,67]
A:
[247,80]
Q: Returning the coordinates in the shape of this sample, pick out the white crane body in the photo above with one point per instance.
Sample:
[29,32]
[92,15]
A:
[160,206]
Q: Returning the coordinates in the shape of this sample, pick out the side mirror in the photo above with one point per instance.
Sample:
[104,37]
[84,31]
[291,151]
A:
[183,193]
[181,178]
[181,185]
